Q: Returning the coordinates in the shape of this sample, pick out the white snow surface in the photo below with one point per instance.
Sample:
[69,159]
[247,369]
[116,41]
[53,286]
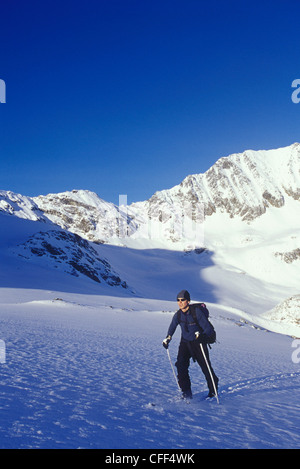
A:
[88,371]
[85,368]
[81,361]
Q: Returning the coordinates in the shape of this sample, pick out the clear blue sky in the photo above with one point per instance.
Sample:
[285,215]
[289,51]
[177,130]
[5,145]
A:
[130,96]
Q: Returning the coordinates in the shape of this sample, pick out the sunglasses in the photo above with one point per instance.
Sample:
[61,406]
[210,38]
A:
[181,299]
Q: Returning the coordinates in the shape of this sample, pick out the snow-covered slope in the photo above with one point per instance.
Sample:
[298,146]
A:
[84,213]
[86,297]
[89,371]
[20,206]
[231,233]
[244,186]
[69,253]
[236,273]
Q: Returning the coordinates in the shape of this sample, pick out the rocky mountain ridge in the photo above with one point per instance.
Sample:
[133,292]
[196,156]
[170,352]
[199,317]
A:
[243,185]
[246,205]
[68,252]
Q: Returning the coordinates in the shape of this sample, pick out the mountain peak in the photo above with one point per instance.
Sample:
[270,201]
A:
[243,185]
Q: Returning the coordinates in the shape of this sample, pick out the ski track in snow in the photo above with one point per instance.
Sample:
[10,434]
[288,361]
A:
[86,377]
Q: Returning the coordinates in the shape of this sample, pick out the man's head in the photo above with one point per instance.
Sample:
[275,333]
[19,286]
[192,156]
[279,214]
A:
[183,299]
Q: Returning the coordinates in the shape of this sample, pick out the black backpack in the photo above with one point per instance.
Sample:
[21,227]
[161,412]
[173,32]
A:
[202,306]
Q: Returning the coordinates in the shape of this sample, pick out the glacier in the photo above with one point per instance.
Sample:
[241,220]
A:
[86,299]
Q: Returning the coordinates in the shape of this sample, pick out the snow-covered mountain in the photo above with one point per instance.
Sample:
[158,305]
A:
[69,252]
[87,292]
[233,233]
[243,185]
[81,212]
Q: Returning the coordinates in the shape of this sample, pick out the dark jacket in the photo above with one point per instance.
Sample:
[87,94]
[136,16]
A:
[189,326]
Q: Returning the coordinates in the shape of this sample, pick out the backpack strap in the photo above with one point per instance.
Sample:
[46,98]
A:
[193,313]
[193,307]
[204,310]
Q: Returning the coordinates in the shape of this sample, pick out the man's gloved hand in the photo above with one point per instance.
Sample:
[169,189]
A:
[200,337]
[166,341]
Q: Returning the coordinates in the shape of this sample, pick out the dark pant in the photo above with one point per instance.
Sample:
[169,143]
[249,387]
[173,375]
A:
[186,351]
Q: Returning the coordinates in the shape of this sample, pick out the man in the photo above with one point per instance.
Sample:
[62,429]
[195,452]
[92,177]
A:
[193,333]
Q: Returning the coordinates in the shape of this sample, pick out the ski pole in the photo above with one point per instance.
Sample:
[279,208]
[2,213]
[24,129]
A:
[173,369]
[208,367]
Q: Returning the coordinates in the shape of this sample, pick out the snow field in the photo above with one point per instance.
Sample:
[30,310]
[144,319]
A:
[84,371]
[84,364]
